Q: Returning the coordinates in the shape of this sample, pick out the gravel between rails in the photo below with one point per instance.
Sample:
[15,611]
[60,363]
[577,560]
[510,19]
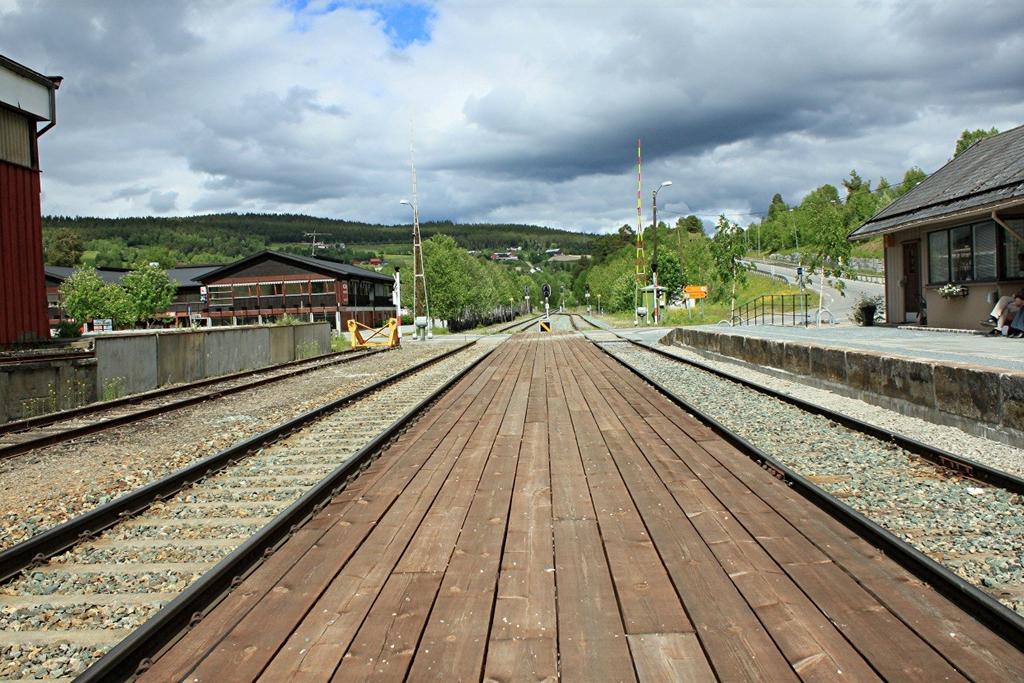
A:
[974,529]
[42,488]
[56,619]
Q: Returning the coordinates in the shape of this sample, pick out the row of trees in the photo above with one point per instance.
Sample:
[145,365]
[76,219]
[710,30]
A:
[466,287]
[140,294]
[221,238]
[686,255]
[824,213]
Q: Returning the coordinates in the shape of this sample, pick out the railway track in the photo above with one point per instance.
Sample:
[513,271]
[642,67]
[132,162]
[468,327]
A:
[136,569]
[24,435]
[576,318]
[956,523]
[518,326]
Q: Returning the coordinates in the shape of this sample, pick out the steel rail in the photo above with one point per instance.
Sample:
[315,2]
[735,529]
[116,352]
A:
[962,465]
[133,654]
[521,323]
[60,538]
[572,321]
[1000,619]
[11,450]
[50,418]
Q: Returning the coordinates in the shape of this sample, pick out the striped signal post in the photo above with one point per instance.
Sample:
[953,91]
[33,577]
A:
[641,259]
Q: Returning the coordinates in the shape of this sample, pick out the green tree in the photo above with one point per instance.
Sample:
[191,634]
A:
[828,246]
[697,267]
[85,297]
[63,248]
[969,137]
[670,274]
[911,179]
[448,280]
[149,291]
[727,249]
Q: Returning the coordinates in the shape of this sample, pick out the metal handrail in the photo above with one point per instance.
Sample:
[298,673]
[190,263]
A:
[771,309]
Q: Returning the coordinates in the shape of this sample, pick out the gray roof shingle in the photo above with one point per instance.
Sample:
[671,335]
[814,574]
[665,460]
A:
[991,171]
[322,265]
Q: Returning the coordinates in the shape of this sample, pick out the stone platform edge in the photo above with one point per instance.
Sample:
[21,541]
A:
[979,400]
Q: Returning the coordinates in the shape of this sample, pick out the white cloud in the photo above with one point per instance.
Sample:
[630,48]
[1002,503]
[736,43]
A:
[521,113]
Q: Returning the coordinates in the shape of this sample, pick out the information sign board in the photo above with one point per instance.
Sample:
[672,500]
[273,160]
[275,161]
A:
[696,291]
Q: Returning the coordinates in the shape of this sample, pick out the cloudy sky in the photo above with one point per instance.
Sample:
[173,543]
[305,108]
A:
[520,111]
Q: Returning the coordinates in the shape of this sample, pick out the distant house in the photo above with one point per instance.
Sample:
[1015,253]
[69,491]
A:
[503,256]
[565,258]
[552,252]
[963,224]
[270,284]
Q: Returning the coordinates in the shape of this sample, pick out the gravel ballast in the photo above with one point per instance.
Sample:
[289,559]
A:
[95,593]
[47,486]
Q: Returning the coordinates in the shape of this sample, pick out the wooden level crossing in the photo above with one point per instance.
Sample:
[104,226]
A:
[553,517]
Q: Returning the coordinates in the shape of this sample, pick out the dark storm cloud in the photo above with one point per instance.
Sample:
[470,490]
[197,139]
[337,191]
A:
[520,113]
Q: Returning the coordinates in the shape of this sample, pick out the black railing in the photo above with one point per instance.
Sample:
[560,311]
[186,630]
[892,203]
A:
[774,309]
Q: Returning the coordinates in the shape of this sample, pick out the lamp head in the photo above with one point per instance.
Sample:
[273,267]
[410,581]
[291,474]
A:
[404,201]
[666,183]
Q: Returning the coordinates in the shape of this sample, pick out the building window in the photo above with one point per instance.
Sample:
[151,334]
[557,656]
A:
[938,257]
[966,253]
[1013,249]
[960,253]
[220,296]
[985,252]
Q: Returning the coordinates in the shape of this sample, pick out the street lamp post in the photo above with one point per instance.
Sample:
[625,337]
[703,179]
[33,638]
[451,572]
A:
[654,261]
[599,304]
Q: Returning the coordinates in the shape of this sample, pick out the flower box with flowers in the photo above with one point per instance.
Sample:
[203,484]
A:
[952,291]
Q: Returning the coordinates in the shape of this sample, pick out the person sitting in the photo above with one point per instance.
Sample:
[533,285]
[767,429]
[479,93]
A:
[1016,327]
[1004,311]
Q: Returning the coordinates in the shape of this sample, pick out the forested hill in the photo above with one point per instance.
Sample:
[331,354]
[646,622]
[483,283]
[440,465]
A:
[219,238]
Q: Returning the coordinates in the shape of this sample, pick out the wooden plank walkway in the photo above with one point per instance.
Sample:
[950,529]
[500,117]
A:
[553,517]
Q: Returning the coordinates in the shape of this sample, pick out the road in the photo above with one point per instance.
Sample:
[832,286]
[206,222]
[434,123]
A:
[841,306]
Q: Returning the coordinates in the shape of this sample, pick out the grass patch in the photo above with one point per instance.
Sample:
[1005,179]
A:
[713,312]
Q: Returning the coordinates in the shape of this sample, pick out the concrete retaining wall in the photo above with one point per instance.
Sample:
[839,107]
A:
[978,400]
[31,389]
[133,363]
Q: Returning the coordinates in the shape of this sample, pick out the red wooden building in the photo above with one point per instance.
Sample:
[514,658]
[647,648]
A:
[27,99]
[263,287]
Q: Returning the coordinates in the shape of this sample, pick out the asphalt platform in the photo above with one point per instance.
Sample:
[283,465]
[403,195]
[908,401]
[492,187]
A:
[998,353]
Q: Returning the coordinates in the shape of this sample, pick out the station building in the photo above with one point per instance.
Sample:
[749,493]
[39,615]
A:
[964,224]
[269,285]
[27,99]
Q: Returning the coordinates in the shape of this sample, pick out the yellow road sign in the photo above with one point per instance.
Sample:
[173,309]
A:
[545,326]
[696,291]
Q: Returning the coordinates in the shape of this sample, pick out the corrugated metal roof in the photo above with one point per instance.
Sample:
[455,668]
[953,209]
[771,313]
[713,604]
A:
[990,172]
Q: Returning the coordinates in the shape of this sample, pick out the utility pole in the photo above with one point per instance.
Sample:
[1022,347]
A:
[313,243]
[654,261]
[397,294]
[420,303]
